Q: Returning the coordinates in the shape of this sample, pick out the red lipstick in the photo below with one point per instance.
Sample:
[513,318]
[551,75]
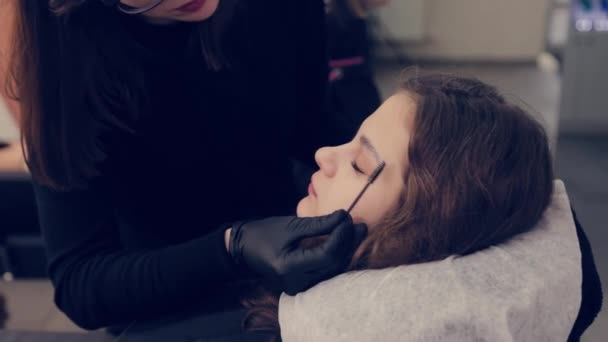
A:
[311,190]
[192,6]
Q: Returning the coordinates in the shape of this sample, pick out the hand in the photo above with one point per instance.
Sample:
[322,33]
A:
[270,248]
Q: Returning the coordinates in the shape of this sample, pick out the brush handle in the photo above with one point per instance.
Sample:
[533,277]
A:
[352,206]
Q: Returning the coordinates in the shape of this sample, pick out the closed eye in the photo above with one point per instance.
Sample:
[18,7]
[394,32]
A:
[356,167]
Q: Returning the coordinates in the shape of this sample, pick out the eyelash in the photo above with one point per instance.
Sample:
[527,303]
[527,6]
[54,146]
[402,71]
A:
[356,168]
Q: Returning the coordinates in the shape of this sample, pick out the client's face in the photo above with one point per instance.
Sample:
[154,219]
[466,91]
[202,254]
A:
[344,170]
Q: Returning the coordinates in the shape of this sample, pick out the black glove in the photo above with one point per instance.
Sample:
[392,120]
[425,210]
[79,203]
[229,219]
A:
[270,248]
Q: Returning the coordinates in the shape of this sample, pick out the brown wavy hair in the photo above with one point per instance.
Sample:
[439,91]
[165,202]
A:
[480,172]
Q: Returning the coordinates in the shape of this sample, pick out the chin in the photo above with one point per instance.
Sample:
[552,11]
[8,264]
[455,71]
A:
[206,12]
[304,208]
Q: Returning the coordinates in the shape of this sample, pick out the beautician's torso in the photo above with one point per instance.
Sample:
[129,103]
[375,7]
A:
[210,148]
[188,160]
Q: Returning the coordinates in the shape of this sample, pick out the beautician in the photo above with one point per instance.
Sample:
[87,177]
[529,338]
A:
[159,136]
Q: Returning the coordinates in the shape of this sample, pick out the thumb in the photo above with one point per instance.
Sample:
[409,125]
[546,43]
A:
[339,245]
[322,225]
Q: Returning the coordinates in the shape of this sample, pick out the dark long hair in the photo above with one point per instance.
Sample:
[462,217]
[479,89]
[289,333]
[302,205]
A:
[480,172]
[74,82]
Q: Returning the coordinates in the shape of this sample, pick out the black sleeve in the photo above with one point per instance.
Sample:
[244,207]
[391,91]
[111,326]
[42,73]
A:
[99,283]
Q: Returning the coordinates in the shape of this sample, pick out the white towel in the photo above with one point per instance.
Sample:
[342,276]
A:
[527,289]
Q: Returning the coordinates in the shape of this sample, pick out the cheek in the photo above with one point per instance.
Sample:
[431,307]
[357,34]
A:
[375,205]
[339,195]
[334,195]
[367,211]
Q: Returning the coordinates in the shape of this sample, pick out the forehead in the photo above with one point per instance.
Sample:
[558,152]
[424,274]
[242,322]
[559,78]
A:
[390,127]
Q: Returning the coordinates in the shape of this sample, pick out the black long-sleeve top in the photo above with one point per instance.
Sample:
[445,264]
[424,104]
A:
[146,237]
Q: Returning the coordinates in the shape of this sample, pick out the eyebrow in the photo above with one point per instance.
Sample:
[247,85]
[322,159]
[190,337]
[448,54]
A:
[368,145]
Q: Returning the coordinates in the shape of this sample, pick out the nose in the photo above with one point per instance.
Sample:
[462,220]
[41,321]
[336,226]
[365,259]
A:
[326,159]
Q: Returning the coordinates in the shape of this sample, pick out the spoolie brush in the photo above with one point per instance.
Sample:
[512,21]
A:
[372,178]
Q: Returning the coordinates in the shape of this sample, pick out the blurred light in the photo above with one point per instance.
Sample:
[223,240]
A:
[584,25]
[601,25]
[8,277]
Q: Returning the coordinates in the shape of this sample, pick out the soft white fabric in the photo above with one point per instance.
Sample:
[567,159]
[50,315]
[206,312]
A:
[527,289]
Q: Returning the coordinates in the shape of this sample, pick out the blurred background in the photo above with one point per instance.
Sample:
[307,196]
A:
[549,55]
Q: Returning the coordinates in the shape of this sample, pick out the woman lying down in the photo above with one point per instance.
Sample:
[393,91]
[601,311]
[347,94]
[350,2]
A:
[446,167]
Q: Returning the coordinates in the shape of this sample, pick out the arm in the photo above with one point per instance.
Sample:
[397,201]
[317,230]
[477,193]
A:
[99,283]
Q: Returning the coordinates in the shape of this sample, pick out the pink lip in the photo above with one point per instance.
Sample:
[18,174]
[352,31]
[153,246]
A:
[311,190]
[192,6]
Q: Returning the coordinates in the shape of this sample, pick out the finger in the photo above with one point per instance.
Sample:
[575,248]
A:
[333,257]
[324,225]
[325,261]
[313,272]
[337,249]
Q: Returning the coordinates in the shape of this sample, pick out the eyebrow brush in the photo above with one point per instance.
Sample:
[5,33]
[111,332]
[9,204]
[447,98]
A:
[372,178]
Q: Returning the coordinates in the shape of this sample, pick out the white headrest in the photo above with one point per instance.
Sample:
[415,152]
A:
[527,289]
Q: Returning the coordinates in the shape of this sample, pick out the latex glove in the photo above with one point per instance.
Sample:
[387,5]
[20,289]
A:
[270,248]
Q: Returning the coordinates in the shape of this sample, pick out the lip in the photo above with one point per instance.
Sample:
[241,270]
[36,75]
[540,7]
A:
[311,190]
[192,6]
